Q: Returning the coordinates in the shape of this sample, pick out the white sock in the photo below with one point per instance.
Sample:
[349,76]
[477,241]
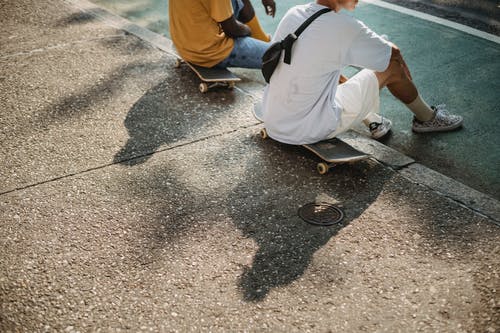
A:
[421,109]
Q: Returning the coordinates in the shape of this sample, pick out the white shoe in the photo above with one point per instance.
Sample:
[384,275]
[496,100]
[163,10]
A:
[378,130]
[441,122]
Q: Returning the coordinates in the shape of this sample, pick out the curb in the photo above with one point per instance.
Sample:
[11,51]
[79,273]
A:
[454,190]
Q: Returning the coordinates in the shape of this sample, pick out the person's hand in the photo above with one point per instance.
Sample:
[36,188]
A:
[270,7]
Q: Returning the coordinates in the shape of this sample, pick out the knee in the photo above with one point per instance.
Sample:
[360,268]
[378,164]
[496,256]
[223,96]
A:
[396,71]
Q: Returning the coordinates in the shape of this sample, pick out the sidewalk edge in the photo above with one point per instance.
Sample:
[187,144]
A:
[454,190]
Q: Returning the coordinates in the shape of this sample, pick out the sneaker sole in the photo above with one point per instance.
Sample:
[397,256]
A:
[438,129]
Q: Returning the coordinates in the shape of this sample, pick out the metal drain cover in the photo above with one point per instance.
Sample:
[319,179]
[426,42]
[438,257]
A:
[321,214]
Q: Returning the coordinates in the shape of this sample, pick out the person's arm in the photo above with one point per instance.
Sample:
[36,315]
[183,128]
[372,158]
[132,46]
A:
[233,28]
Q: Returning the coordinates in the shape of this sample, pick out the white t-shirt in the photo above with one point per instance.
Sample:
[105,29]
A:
[299,102]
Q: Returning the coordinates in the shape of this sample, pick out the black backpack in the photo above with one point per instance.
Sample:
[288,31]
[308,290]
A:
[272,56]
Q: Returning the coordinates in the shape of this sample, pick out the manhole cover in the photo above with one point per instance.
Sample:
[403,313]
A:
[321,214]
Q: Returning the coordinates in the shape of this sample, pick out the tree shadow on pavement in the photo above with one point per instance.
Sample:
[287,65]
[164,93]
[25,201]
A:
[171,112]
[83,102]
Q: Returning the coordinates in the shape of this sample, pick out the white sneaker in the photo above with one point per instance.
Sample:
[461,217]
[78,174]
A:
[378,130]
[441,122]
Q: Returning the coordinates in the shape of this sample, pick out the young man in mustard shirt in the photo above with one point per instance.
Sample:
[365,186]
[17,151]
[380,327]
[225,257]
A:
[222,33]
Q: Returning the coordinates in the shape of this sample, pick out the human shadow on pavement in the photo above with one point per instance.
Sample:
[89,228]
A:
[258,187]
[264,208]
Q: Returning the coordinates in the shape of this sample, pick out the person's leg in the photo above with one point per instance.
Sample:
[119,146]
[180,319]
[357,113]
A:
[398,80]
[359,100]
[247,53]
[378,125]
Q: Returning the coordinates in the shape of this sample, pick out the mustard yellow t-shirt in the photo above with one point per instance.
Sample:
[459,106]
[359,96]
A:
[195,30]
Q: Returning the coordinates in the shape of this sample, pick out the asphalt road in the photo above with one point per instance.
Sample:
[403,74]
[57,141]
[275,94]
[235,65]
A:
[480,14]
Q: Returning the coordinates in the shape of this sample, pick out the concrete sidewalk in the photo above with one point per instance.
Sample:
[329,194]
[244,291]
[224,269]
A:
[129,201]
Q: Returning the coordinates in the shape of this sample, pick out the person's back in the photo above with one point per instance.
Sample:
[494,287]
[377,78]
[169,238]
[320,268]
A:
[195,30]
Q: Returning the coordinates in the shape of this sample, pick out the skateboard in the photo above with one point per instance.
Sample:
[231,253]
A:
[211,77]
[332,151]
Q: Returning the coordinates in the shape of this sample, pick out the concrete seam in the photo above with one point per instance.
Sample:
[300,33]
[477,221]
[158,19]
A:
[103,166]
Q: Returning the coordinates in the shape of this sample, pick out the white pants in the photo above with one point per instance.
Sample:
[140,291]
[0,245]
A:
[359,98]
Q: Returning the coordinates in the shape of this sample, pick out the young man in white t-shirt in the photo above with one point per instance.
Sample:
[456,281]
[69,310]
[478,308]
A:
[305,101]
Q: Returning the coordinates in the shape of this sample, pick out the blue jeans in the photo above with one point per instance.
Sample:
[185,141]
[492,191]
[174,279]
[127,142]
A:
[247,51]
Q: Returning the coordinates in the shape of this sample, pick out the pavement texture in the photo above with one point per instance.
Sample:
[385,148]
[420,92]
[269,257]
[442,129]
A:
[480,14]
[131,202]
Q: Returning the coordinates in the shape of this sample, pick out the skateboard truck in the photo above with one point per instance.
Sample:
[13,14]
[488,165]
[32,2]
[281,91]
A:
[205,87]
[210,77]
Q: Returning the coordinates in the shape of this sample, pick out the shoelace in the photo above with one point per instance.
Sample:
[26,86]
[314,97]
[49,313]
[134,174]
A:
[441,108]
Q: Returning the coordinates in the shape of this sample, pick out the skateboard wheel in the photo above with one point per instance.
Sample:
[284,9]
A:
[178,63]
[230,85]
[203,87]
[322,168]
[263,133]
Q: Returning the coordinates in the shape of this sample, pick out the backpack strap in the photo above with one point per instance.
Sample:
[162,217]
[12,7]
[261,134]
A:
[287,43]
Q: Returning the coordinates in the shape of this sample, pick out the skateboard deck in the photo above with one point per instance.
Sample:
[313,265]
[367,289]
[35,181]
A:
[332,151]
[211,77]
